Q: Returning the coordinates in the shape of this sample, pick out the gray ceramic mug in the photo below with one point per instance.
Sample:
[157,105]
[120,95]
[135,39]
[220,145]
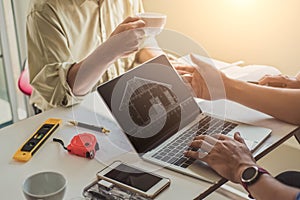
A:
[45,186]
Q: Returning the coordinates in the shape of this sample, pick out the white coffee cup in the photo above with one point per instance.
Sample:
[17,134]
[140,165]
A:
[45,186]
[154,22]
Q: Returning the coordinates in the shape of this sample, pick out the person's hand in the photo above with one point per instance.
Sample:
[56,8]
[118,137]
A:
[205,80]
[127,36]
[280,81]
[124,40]
[228,157]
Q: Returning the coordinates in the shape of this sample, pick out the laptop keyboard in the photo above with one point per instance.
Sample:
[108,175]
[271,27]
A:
[173,152]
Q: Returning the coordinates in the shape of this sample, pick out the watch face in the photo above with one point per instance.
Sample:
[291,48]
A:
[249,174]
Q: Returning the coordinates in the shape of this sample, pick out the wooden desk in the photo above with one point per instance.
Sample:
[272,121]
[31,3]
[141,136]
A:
[79,172]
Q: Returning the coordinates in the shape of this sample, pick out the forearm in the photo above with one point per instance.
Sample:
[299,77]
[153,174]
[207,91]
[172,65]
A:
[124,40]
[83,76]
[268,188]
[283,104]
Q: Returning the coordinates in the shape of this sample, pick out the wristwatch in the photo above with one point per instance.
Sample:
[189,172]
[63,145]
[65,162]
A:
[251,175]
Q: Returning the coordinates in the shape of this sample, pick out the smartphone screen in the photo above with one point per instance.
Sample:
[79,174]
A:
[133,177]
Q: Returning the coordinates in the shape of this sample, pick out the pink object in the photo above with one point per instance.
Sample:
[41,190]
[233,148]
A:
[23,82]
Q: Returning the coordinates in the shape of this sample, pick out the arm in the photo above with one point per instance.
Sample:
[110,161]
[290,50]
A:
[210,83]
[230,157]
[280,103]
[123,41]
[281,80]
[269,188]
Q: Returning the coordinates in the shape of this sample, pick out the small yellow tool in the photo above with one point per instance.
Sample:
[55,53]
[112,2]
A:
[30,147]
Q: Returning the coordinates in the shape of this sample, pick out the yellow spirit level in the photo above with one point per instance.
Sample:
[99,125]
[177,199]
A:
[30,147]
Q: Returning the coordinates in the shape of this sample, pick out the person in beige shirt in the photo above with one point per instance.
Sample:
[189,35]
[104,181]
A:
[75,45]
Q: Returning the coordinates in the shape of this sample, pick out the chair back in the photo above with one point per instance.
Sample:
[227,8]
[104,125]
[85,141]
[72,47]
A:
[23,81]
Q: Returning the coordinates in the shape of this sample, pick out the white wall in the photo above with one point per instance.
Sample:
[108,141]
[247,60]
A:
[256,31]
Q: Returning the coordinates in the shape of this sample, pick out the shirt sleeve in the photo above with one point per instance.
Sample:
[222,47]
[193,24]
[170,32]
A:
[49,59]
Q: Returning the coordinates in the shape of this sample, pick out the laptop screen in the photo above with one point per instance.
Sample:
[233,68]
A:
[150,102]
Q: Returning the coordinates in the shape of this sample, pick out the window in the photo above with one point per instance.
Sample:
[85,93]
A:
[5,106]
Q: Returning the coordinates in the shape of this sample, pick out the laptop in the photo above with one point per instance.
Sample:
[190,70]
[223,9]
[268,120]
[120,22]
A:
[160,117]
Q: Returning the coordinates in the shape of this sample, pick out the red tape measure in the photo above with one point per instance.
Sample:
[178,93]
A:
[84,145]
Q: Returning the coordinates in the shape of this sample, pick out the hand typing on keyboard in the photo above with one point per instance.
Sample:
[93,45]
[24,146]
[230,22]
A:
[228,156]
[173,152]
